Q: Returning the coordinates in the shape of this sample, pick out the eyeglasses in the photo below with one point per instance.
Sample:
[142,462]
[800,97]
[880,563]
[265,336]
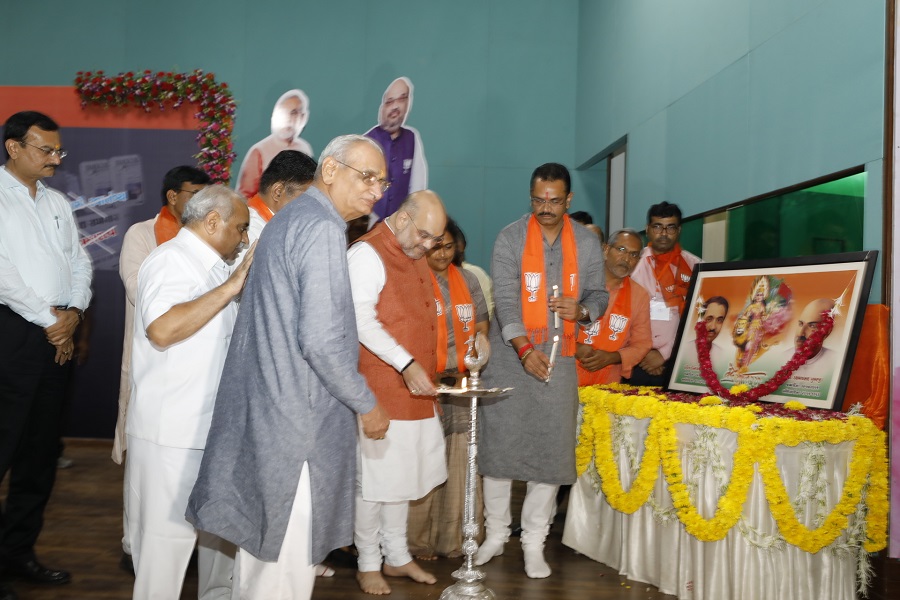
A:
[191,192]
[47,151]
[368,177]
[659,227]
[425,236]
[623,250]
[553,201]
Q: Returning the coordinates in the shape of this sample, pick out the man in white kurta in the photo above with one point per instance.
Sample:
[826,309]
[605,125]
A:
[184,315]
[393,298]
[179,185]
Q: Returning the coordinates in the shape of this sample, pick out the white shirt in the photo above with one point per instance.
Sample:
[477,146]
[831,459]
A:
[42,262]
[174,389]
[367,279]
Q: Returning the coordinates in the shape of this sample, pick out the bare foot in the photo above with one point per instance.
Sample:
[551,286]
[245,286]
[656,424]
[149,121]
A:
[411,570]
[424,555]
[371,582]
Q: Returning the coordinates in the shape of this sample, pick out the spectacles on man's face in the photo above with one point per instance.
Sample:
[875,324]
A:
[424,236]
[659,228]
[58,152]
[368,177]
[191,192]
[544,201]
[622,250]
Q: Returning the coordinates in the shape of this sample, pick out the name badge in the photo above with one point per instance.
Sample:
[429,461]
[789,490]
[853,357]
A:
[659,311]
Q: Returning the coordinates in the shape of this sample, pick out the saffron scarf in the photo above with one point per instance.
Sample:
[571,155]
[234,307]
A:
[462,313]
[535,291]
[257,204]
[609,333]
[673,284]
[166,226]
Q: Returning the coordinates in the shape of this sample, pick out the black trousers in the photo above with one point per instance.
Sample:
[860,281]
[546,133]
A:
[642,377]
[32,390]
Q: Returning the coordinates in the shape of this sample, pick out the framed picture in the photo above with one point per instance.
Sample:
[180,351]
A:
[757,313]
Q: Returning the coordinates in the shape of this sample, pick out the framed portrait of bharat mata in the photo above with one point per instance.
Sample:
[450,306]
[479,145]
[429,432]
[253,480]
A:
[789,326]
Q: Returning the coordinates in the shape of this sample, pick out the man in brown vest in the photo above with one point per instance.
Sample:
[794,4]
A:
[395,316]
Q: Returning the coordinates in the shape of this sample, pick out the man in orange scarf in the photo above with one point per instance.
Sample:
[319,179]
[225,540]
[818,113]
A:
[179,185]
[548,278]
[616,342]
[288,175]
[665,271]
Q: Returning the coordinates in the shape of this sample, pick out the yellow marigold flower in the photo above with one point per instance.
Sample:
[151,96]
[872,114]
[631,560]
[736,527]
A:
[794,405]
[739,388]
[710,400]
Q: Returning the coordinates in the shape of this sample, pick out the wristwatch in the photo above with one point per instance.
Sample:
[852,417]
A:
[584,315]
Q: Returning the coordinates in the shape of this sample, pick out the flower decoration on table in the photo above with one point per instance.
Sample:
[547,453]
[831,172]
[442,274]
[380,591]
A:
[760,428]
[164,89]
[807,350]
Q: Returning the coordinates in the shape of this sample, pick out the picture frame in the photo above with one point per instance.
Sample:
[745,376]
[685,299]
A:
[756,314]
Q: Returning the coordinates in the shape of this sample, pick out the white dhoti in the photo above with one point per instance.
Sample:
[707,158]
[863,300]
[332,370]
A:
[160,480]
[407,464]
[292,576]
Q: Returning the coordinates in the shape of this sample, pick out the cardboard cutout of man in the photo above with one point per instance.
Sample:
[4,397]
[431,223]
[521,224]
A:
[289,116]
[402,146]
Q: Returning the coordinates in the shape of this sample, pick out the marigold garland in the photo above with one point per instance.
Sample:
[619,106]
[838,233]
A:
[758,435]
[149,90]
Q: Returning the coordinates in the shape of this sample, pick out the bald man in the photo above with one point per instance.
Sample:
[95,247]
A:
[814,377]
[395,316]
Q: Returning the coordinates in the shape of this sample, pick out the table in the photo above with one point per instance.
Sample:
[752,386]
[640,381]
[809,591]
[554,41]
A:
[770,503]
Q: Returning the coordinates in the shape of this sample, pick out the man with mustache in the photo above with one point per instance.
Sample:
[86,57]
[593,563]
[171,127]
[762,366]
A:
[530,435]
[45,285]
[402,146]
[614,343]
[665,271]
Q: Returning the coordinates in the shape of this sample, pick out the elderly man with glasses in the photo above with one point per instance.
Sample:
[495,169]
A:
[665,271]
[278,473]
[45,285]
[548,280]
[617,341]
[395,316]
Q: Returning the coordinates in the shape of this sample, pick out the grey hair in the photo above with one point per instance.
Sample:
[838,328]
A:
[615,234]
[214,198]
[339,148]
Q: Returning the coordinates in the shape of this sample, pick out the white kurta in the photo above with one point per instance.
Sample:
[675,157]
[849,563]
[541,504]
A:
[411,460]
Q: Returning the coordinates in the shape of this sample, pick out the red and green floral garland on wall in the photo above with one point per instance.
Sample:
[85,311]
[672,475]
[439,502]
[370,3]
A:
[160,90]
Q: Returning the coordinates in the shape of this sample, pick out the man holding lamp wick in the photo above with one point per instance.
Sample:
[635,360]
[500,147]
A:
[529,435]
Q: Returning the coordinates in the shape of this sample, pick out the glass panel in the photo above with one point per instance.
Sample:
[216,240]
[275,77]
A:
[822,219]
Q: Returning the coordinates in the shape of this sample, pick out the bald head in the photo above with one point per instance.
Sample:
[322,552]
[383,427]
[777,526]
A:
[808,322]
[419,223]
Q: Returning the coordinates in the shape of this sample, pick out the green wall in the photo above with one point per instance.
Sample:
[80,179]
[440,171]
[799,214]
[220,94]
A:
[719,100]
[495,80]
[723,101]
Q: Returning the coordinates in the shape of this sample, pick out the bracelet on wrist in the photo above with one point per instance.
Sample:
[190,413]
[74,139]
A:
[407,365]
[525,355]
[522,352]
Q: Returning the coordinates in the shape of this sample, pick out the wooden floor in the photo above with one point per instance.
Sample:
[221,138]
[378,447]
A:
[83,535]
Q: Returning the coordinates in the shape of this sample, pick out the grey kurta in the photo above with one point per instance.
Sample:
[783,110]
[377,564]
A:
[289,393]
[529,435]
